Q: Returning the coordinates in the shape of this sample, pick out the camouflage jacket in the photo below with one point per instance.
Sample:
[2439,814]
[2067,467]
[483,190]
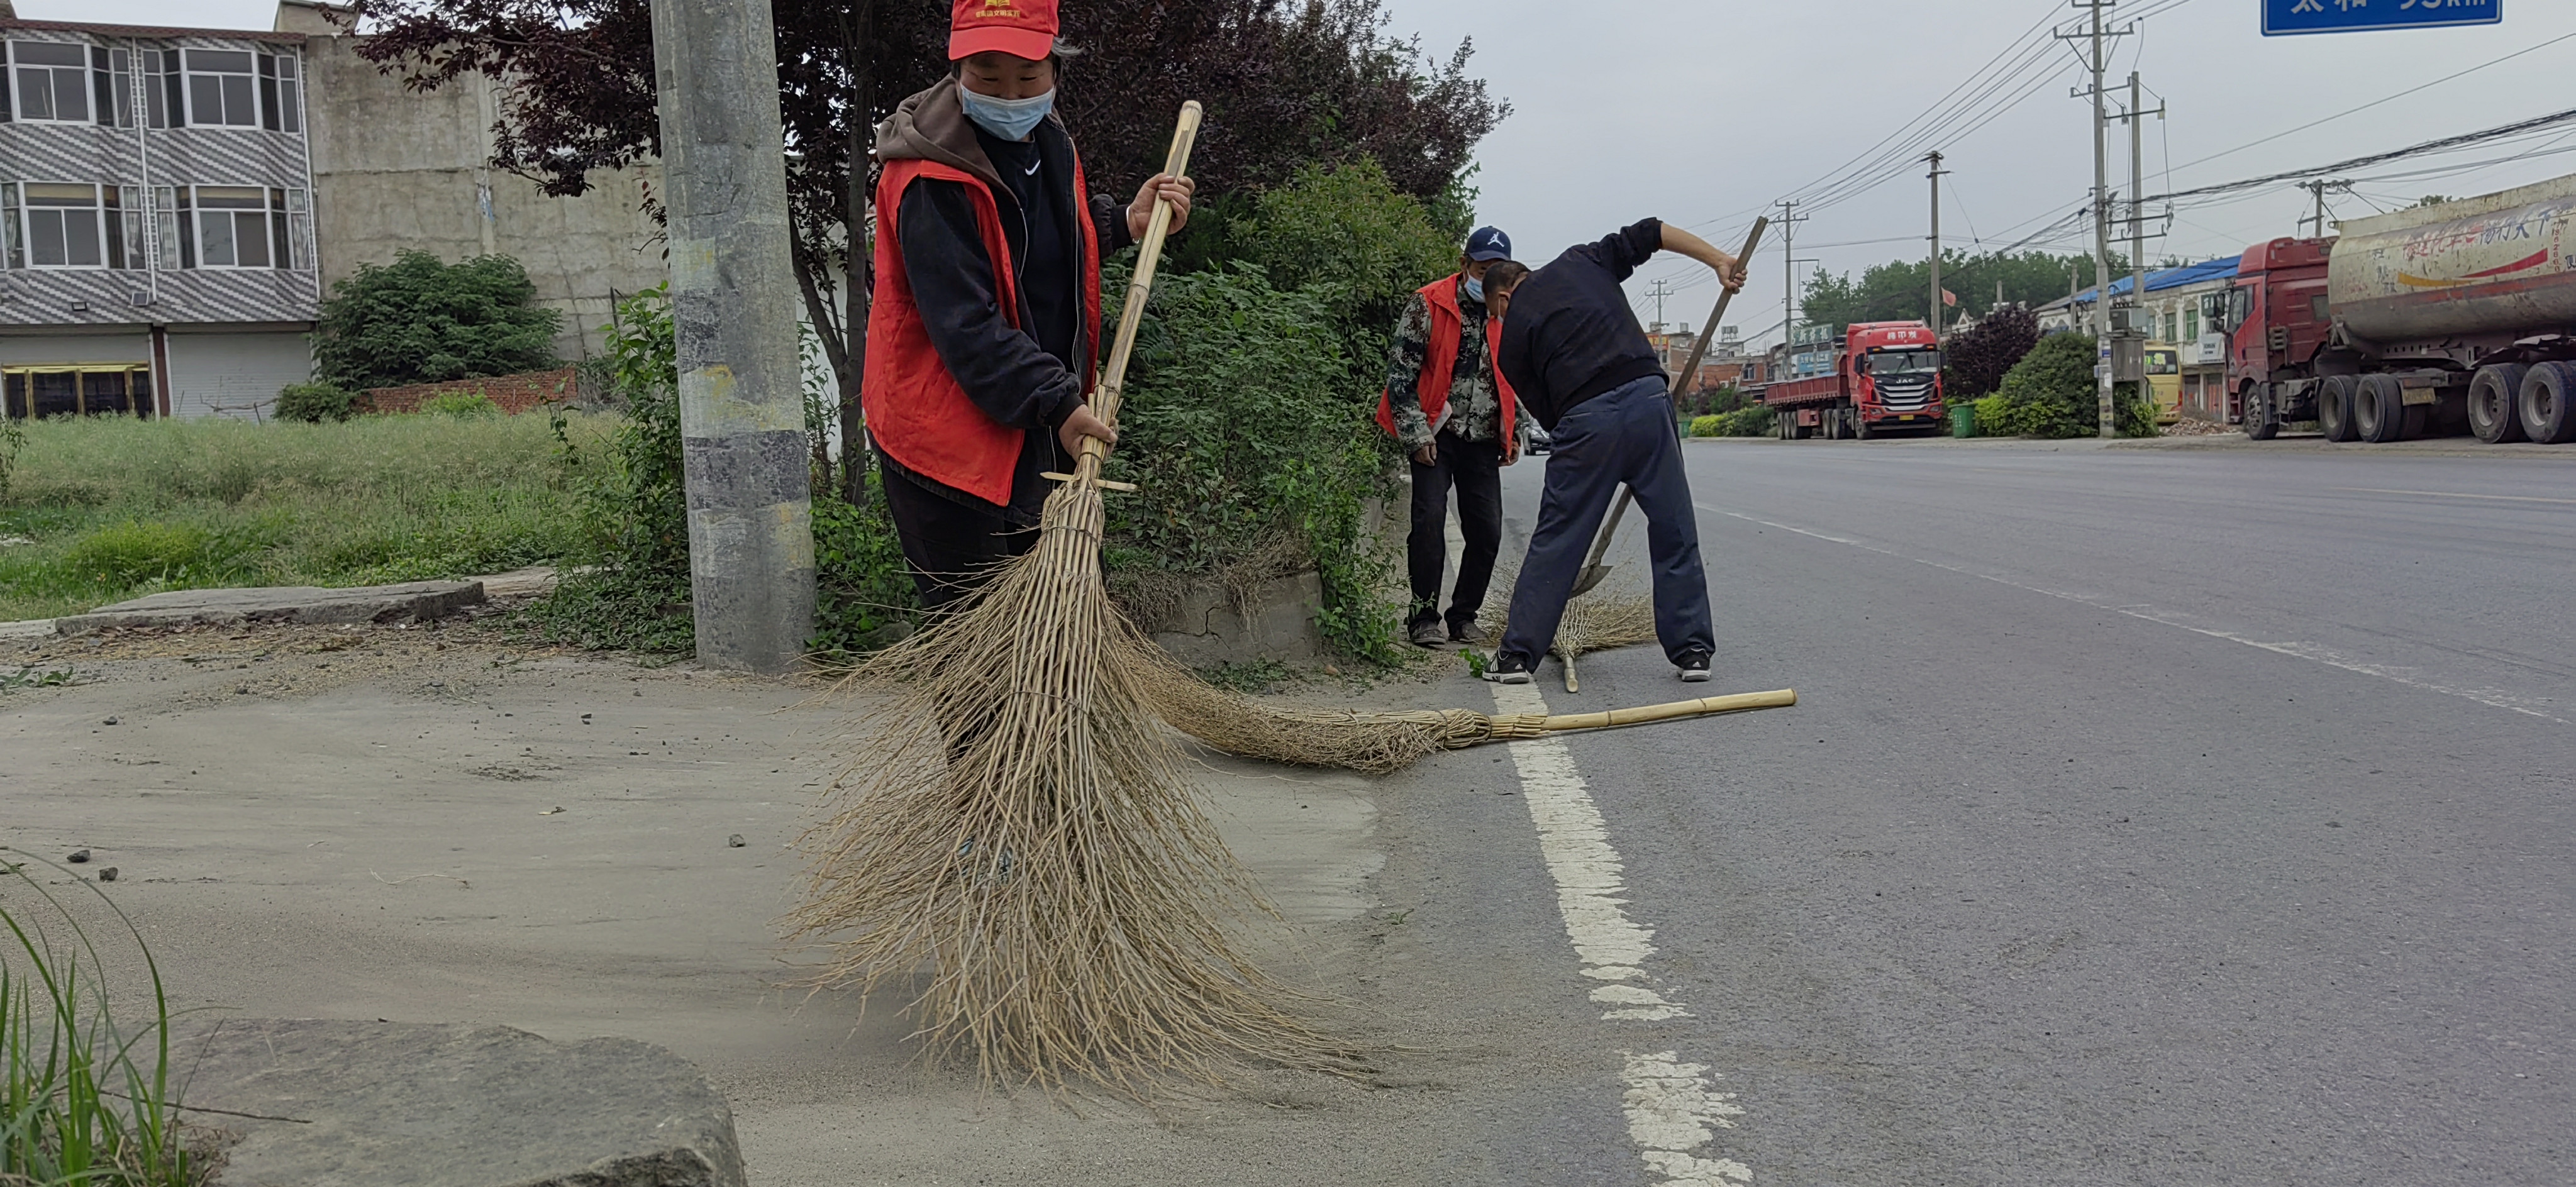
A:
[1475,408]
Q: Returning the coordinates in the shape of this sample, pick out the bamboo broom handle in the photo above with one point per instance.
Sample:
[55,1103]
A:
[1739,702]
[1105,400]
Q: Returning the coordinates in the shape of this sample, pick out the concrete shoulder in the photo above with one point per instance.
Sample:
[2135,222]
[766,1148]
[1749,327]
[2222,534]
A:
[425,1105]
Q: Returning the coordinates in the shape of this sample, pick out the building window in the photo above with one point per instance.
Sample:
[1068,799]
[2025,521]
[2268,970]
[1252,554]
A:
[68,227]
[164,95]
[280,99]
[2191,324]
[248,226]
[13,245]
[52,80]
[221,88]
[113,389]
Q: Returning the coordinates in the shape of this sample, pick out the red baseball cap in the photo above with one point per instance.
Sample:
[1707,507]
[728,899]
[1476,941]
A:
[1020,28]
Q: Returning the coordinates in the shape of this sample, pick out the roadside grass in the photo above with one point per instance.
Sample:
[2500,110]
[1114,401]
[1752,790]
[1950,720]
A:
[120,508]
[84,1102]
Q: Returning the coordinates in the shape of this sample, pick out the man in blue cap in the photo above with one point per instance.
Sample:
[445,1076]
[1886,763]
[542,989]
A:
[1447,403]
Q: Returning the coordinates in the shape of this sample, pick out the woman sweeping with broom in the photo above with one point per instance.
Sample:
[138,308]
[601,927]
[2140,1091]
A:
[985,333]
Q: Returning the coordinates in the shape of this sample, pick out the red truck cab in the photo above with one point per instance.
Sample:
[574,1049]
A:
[1887,376]
[2277,322]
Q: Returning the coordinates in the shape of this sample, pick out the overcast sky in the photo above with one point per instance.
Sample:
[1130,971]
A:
[1702,113]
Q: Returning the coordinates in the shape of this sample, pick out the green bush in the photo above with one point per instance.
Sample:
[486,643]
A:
[1348,238]
[635,593]
[418,320]
[315,403]
[461,405]
[1250,443]
[2052,393]
[12,439]
[1708,426]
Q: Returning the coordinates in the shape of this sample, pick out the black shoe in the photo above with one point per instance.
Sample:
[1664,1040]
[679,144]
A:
[1507,669]
[1693,667]
[1428,634]
[1466,632]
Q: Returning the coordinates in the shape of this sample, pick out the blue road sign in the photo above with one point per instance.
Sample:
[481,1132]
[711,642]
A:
[2284,17]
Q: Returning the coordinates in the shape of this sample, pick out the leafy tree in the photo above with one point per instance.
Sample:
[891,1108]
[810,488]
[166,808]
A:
[1284,84]
[418,320]
[1976,359]
[1348,233]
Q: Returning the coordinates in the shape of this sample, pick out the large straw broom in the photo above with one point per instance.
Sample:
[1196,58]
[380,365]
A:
[1019,837]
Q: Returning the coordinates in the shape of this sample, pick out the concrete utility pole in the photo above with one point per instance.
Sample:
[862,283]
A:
[2319,188]
[1789,220]
[2138,189]
[2097,61]
[1937,172]
[1661,290]
[742,408]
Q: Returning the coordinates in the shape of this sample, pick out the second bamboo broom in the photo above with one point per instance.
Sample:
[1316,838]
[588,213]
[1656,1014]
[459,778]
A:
[1018,846]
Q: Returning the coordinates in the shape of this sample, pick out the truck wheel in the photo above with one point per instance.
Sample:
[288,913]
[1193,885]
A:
[2262,418]
[2549,403]
[1860,426]
[2379,409]
[2334,406]
[2495,399]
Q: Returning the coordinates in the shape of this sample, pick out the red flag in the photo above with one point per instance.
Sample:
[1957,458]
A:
[1949,298]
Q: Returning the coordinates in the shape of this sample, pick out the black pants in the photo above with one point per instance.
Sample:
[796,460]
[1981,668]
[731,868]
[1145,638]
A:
[951,547]
[1474,468]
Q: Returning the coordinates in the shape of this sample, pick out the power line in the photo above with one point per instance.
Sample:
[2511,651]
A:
[2373,103]
[2415,150]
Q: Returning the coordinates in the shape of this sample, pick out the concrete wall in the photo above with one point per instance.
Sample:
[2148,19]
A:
[397,170]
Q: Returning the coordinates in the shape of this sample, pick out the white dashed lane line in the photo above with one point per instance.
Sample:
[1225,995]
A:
[1673,1108]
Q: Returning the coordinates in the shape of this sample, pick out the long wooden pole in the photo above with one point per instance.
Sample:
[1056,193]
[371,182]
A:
[1737,703]
[1113,381]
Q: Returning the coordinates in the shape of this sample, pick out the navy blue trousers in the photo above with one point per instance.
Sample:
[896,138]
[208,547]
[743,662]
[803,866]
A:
[1624,435]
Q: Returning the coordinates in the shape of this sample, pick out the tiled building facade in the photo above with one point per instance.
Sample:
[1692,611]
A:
[155,219]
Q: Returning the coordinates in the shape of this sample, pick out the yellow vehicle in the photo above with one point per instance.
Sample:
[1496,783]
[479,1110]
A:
[2164,382]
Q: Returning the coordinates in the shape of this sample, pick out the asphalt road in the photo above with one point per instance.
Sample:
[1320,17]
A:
[2150,816]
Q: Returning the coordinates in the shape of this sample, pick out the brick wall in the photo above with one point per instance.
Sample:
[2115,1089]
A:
[514,393]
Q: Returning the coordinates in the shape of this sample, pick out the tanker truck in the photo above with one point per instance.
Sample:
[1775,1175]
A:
[2458,315]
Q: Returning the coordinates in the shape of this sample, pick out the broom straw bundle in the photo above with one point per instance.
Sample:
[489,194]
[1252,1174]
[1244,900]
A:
[1018,840]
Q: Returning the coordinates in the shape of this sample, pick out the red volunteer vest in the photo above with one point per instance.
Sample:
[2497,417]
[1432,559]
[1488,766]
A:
[1440,365]
[914,408]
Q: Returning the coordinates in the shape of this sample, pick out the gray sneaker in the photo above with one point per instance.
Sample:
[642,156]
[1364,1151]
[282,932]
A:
[1429,635]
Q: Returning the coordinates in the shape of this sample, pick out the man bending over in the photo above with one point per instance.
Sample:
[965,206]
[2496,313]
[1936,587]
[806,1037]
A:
[1580,364]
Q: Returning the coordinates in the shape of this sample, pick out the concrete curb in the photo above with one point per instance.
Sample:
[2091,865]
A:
[418,601]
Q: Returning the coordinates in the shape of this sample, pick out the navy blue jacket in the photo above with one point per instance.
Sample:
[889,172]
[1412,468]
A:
[1569,335]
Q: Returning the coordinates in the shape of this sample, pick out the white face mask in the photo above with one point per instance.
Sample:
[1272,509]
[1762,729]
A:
[1010,119]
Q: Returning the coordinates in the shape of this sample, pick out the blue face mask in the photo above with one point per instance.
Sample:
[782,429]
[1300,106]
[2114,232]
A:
[1475,288]
[1010,119]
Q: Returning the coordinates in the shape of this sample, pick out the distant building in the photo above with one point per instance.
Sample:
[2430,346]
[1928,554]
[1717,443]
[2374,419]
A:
[2174,303]
[156,219]
[399,170]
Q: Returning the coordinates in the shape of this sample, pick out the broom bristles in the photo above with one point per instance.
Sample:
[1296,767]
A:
[1020,827]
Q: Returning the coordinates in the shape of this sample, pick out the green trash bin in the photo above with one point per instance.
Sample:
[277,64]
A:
[1963,420]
